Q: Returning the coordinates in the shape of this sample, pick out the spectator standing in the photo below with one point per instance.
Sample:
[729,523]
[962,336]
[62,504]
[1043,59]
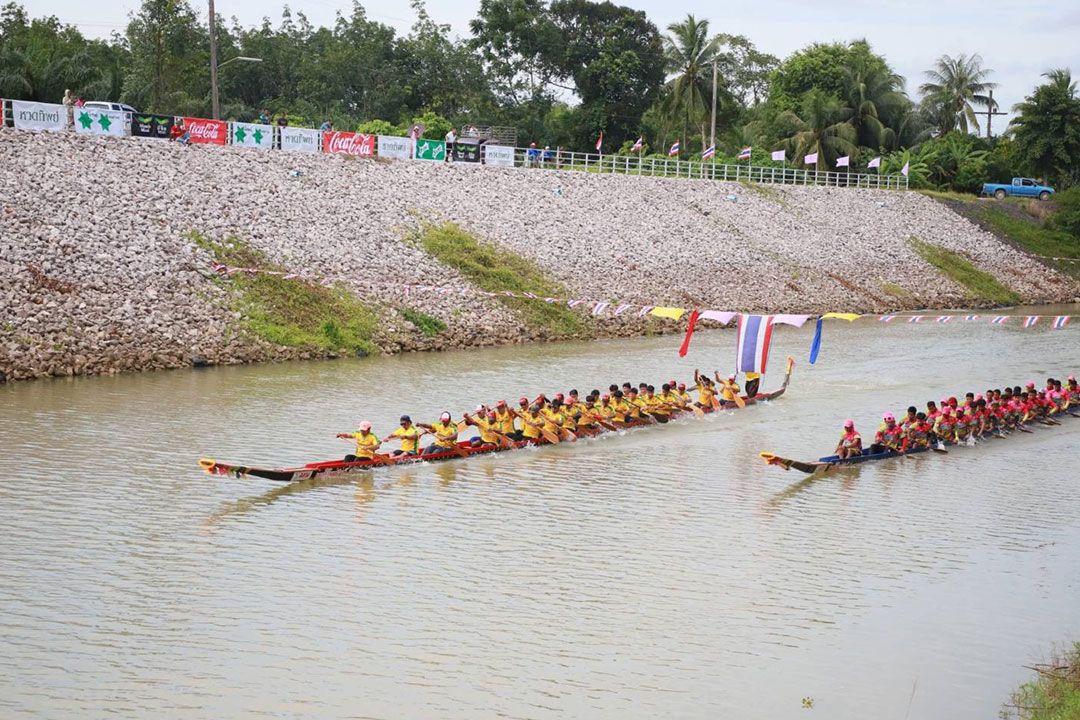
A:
[69,107]
[282,123]
[327,126]
[451,140]
[264,117]
[532,156]
[548,155]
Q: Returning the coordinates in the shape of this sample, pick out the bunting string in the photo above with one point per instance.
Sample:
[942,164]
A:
[600,308]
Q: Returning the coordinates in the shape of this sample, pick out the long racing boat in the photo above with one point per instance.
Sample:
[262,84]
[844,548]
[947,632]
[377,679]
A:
[338,468]
[832,463]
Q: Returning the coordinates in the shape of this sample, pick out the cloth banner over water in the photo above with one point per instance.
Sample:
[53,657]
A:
[752,347]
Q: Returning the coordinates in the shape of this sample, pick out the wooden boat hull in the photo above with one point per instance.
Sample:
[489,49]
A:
[338,468]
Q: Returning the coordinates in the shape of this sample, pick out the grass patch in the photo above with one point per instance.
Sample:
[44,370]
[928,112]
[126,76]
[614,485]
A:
[949,195]
[292,313]
[895,290]
[1032,236]
[1053,695]
[430,326]
[978,283]
[494,269]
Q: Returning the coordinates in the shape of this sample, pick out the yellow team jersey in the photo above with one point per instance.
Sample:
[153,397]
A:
[506,422]
[672,398]
[585,418]
[655,405]
[684,396]
[365,445]
[410,438]
[727,393]
[486,427]
[552,420]
[705,394]
[531,428]
[619,410]
[445,434]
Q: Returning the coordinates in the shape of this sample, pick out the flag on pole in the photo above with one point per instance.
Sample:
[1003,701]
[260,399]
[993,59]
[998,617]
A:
[875,163]
[1060,321]
[674,149]
[810,159]
[754,337]
[843,161]
[638,145]
[708,152]
[600,142]
[906,169]
[744,154]
[779,156]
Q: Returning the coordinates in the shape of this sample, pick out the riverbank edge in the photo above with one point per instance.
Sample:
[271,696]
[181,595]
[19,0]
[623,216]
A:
[1054,693]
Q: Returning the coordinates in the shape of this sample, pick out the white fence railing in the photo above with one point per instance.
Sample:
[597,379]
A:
[565,160]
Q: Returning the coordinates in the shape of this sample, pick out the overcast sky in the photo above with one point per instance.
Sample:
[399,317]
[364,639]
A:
[1018,39]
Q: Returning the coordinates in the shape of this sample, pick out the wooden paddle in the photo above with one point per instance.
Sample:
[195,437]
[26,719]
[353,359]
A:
[739,402]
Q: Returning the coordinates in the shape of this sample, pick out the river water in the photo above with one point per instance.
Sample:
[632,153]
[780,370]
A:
[664,572]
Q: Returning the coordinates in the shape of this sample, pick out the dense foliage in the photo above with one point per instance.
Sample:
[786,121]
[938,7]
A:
[562,72]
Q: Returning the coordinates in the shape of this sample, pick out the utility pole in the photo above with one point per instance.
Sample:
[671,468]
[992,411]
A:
[712,133]
[215,106]
[991,111]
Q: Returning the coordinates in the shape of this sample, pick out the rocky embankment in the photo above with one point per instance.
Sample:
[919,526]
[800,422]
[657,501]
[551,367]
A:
[101,272]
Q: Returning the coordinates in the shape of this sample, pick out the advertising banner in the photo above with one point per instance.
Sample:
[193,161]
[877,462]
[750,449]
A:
[431,150]
[38,116]
[395,147]
[498,155]
[94,121]
[151,126]
[302,140]
[348,143]
[466,151]
[251,135]
[207,132]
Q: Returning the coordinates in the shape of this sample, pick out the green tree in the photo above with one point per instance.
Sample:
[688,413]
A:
[873,94]
[822,66]
[1046,129]
[744,69]
[954,87]
[516,40]
[169,69]
[822,126]
[689,51]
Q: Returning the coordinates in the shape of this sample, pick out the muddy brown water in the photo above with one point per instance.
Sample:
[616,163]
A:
[665,572]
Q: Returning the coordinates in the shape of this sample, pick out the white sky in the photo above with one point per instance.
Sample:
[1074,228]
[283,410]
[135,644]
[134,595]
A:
[1018,39]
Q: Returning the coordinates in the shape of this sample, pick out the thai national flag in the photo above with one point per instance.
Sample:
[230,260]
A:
[744,154]
[708,152]
[1060,321]
[887,318]
[943,318]
[638,145]
[674,149]
[1030,320]
[752,349]
[915,319]
[1000,320]
[971,318]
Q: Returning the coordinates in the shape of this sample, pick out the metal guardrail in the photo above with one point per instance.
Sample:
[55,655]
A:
[701,170]
[565,160]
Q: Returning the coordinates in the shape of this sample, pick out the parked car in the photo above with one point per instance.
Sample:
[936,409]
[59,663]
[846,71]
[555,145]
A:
[102,105]
[1020,187]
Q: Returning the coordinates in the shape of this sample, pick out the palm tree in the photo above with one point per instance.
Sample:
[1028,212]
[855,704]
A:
[822,126]
[689,53]
[954,87]
[873,94]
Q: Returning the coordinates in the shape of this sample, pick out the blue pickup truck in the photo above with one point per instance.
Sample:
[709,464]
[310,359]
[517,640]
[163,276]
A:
[1020,187]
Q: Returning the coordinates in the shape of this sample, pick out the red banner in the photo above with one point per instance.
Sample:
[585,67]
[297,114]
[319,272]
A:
[207,132]
[348,143]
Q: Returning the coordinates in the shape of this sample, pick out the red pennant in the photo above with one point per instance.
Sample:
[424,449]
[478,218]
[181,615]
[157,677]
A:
[685,347]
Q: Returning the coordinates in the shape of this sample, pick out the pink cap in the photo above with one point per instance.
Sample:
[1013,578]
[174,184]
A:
[889,417]
[365,425]
[445,416]
[1030,386]
[1072,378]
[479,408]
[849,423]
[978,398]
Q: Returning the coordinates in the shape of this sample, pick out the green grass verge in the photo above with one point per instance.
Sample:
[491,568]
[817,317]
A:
[292,313]
[430,326]
[1030,235]
[1053,695]
[979,284]
[895,290]
[495,269]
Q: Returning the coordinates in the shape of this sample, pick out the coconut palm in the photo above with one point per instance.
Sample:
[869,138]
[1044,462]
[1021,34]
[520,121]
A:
[954,87]
[822,126]
[689,52]
[874,94]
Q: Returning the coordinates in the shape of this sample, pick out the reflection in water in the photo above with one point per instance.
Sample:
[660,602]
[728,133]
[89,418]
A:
[656,573]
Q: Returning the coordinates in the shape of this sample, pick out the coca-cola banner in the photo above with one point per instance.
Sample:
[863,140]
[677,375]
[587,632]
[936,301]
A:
[207,132]
[295,139]
[151,126]
[38,116]
[395,147]
[348,143]
[498,155]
